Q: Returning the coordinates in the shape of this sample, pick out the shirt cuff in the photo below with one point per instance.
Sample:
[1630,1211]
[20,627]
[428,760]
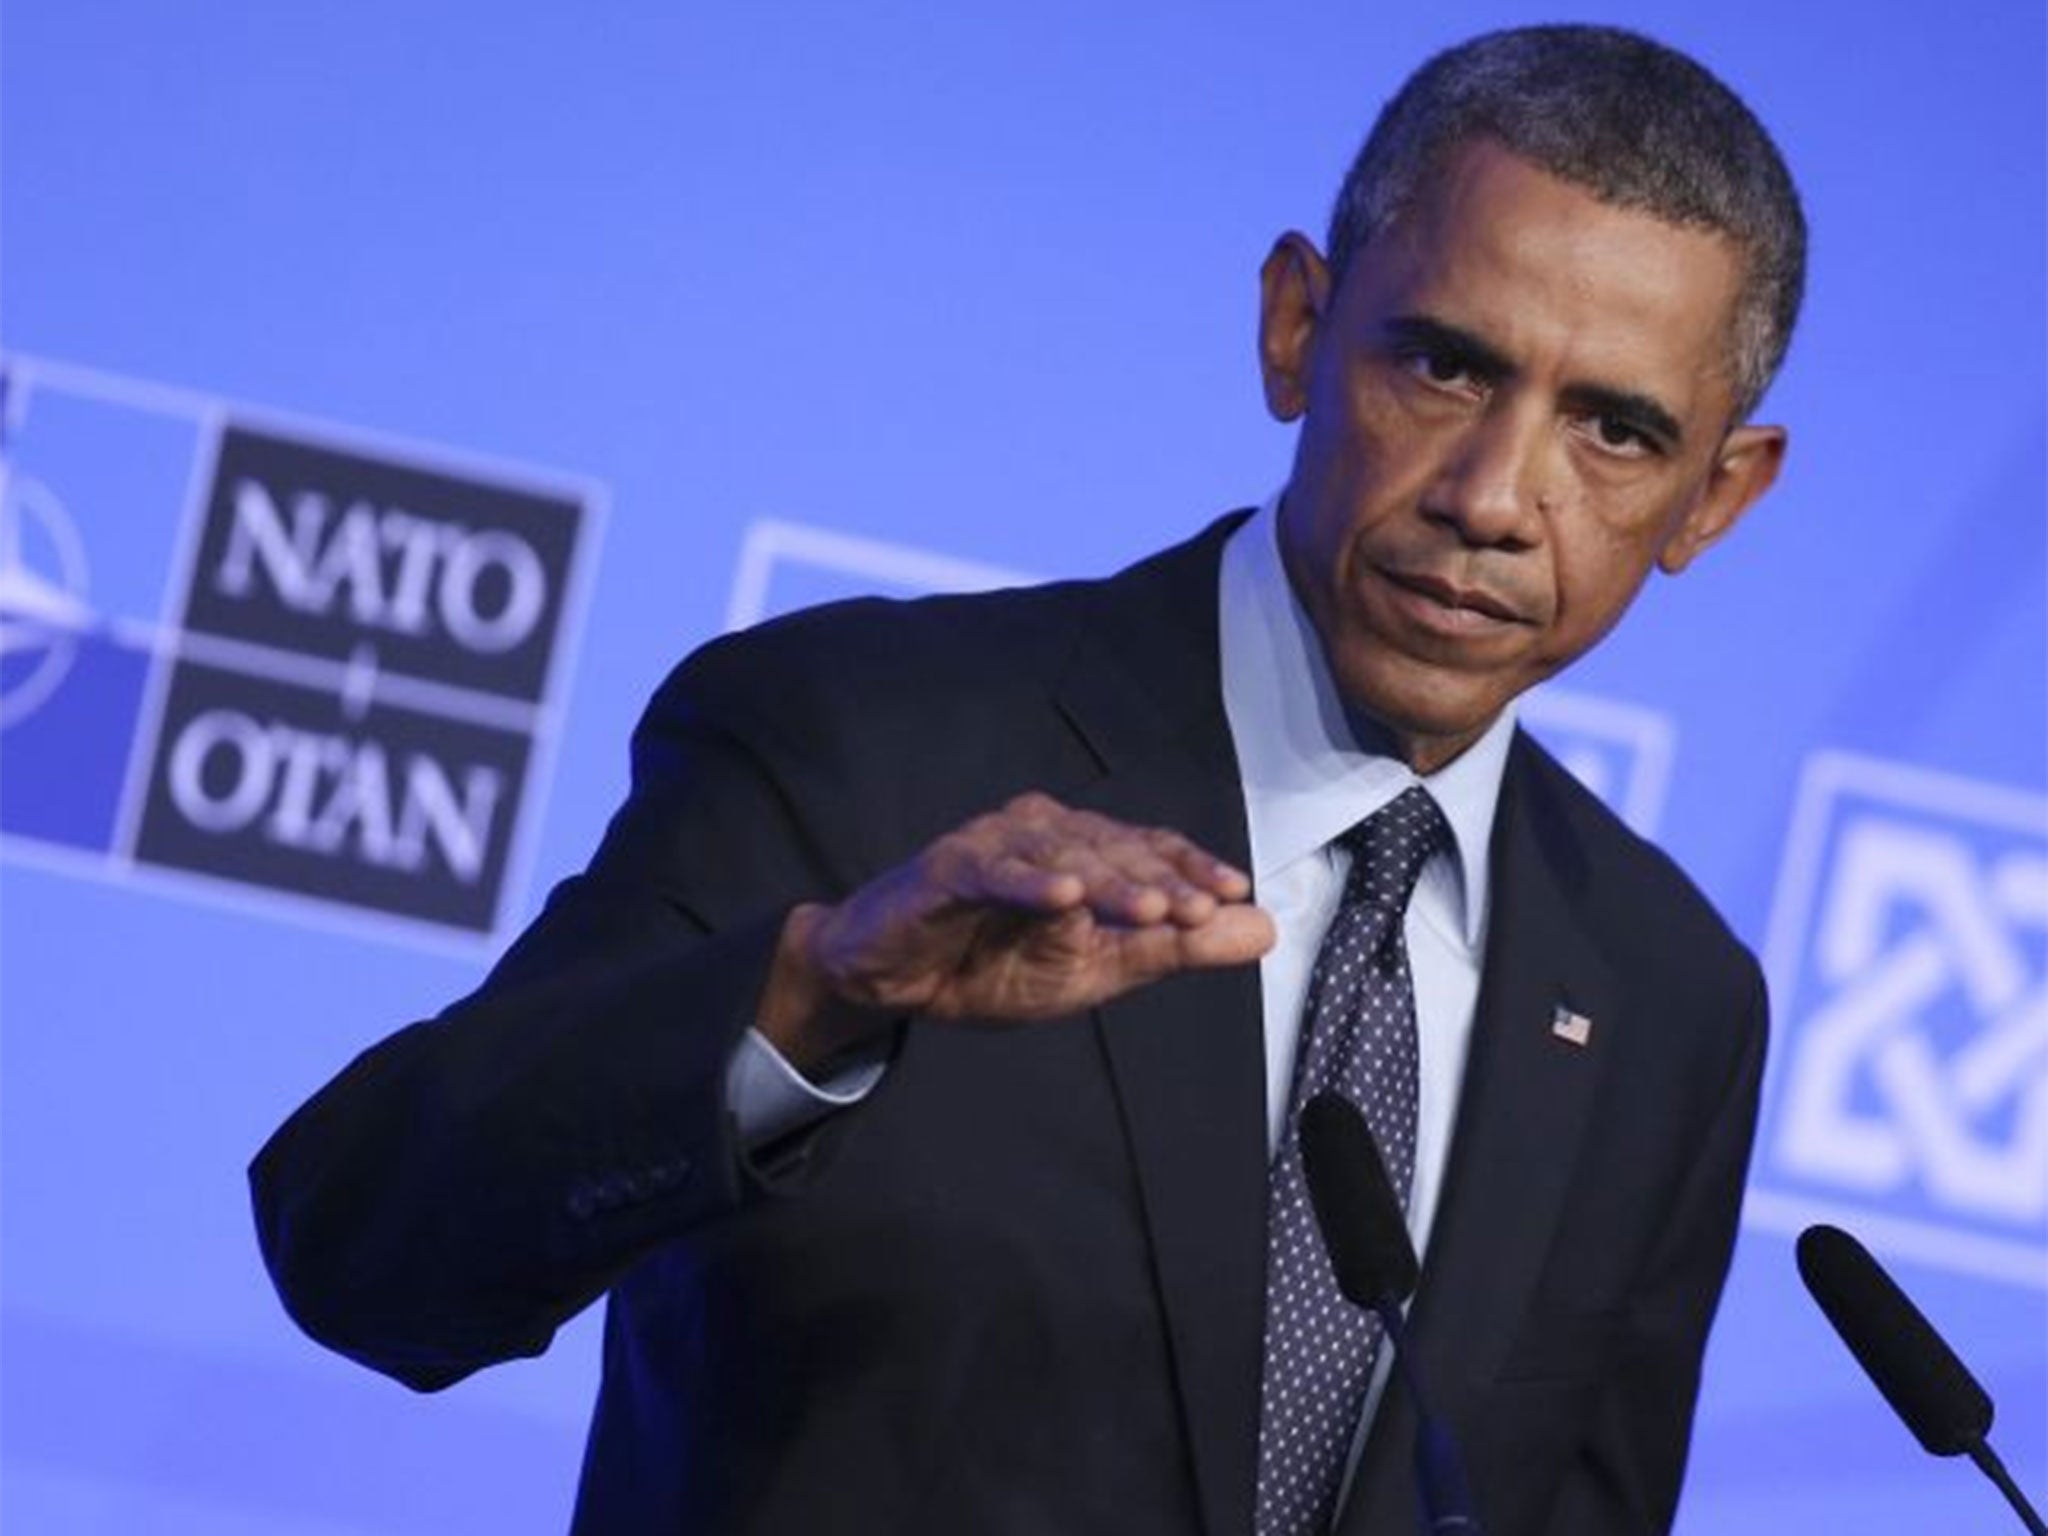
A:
[769,1098]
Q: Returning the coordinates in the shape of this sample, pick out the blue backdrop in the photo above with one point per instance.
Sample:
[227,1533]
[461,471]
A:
[696,313]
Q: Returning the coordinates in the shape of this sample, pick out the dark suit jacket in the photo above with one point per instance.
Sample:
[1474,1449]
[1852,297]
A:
[1019,1289]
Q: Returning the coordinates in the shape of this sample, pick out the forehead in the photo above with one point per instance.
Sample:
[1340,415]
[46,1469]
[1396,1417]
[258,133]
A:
[1556,279]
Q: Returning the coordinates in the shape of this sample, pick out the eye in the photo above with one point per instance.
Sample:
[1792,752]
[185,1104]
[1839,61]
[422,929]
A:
[1442,368]
[1618,436]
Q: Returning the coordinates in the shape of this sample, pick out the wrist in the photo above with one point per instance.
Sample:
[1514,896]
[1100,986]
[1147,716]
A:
[801,1013]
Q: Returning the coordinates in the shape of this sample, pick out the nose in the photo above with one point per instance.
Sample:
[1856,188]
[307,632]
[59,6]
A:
[1493,485]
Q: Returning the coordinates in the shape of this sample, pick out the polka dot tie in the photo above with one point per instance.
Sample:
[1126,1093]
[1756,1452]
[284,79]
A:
[1357,1037]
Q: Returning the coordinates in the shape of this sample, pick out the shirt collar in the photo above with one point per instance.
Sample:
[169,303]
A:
[1306,777]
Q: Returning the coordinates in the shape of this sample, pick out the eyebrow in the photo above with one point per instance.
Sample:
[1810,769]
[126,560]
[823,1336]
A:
[1638,410]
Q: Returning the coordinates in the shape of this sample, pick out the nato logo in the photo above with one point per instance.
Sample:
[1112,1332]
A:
[1909,960]
[43,608]
[272,656]
[1620,751]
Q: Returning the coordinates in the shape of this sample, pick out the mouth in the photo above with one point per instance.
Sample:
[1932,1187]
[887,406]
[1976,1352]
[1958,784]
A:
[1443,604]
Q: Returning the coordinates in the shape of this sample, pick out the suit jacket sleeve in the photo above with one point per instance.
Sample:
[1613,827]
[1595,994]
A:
[465,1187]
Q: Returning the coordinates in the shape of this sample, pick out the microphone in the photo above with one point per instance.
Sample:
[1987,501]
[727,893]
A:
[1367,1235]
[1943,1405]
[1360,1217]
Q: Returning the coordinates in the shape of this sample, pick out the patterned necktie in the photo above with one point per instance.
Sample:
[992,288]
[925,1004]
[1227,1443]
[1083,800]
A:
[1357,1037]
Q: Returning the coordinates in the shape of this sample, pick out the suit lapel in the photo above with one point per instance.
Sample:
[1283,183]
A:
[1521,1114]
[1186,1055]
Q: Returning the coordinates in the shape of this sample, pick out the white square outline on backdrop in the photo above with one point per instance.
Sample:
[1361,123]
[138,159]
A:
[1827,776]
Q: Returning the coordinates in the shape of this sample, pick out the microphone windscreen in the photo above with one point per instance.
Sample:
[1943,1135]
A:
[1362,1223]
[1913,1366]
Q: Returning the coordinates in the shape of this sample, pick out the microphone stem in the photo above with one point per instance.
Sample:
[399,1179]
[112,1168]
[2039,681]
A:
[1439,1469]
[1397,1341]
[1986,1458]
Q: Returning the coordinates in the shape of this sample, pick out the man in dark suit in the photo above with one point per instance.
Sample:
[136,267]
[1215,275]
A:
[901,1067]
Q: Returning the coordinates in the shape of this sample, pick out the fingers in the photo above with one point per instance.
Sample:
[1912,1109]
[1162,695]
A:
[1032,911]
[1197,866]
[1123,874]
[1053,967]
[1237,935]
[1012,879]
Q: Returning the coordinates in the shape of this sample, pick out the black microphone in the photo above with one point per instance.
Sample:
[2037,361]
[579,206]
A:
[1919,1375]
[1361,1219]
[1367,1236]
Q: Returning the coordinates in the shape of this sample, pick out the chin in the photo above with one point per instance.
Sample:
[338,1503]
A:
[1422,706]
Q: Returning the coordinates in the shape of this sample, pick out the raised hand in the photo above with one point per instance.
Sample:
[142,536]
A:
[1030,912]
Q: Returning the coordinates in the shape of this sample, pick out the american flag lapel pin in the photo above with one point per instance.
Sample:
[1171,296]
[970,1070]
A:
[1572,1028]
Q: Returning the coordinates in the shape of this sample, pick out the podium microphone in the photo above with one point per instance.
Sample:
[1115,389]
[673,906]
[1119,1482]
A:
[1919,1375]
[1367,1236]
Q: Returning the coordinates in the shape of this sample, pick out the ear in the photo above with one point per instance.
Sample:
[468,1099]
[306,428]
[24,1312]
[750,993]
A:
[1294,296]
[1745,465]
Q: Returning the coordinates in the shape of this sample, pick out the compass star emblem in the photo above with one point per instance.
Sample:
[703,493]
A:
[43,608]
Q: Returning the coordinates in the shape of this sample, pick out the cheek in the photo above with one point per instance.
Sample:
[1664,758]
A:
[1360,455]
[1598,573]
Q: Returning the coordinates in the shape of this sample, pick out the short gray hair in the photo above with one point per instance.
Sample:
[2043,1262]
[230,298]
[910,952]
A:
[1635,123]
